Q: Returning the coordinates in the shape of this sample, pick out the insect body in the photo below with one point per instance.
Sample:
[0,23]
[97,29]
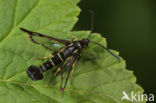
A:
[69,55]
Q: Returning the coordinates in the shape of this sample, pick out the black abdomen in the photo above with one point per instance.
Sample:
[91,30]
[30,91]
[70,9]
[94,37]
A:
[36,73]
[55,60]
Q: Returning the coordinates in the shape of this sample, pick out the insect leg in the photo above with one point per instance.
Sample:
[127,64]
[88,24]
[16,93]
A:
[51,55]
[66,80]
[62,67]
[66,72]
[58,70]
[75,64]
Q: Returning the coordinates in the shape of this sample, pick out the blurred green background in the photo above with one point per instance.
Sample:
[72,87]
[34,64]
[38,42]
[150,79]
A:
[130,28]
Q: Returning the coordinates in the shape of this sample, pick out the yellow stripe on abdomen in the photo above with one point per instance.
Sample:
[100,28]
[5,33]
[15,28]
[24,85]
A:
[60,57]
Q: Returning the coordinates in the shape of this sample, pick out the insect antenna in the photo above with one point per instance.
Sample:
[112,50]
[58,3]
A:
[106,50]
[92,23]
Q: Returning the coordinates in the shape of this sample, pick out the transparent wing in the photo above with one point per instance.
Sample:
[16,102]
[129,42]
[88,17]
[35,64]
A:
[47,42]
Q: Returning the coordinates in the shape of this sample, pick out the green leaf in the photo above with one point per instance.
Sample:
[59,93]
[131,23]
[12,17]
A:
[98,77]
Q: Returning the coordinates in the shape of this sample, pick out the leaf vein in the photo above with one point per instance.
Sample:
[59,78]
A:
[17,24]
[11,25]
[29,12]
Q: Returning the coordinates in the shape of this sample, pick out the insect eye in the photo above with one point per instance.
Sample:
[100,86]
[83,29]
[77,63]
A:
[34,73]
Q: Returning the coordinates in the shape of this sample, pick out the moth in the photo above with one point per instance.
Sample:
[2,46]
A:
[69,55]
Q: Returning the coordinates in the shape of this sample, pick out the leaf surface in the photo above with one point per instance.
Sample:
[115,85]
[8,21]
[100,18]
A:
[98,77]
